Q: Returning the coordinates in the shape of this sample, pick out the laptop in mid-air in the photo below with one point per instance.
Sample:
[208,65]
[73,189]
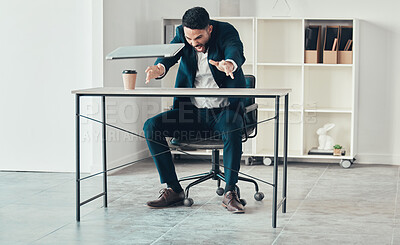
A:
[145,51]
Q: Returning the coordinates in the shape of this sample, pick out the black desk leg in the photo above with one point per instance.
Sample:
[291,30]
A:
[104,143]
[77,154]
[285,152]
[275,177]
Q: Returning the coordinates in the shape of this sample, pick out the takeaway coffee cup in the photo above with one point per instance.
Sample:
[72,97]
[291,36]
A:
[129,78]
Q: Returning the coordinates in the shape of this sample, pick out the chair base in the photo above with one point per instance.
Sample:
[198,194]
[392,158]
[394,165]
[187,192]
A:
[216,174]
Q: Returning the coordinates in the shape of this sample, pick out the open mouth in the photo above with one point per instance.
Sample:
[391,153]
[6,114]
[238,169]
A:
[199,47]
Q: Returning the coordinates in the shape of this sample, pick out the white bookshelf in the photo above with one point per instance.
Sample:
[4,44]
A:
[321,93]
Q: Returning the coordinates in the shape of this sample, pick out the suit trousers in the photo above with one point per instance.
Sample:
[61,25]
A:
[188,123]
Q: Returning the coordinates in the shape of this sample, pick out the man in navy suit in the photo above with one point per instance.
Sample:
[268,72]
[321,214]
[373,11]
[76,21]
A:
[211,58]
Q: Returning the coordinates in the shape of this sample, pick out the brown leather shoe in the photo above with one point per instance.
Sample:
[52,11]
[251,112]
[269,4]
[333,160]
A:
[232,203]
[167,198]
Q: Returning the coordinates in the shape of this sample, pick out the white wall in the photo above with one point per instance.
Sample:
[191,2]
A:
[46,53]
[125,25]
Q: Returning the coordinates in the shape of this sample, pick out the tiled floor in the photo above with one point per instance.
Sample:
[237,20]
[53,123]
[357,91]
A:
[326,205]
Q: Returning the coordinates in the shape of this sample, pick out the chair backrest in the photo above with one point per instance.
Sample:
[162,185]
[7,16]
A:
[250,117]
[250,83]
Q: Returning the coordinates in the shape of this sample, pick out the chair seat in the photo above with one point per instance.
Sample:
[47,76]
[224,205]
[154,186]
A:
[200,143]
[193,144]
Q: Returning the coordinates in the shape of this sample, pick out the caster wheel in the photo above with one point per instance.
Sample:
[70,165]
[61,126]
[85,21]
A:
[267,161]
[188,202]
[220,191]
[345,163]
[259,196]
[243,202]
[248,161]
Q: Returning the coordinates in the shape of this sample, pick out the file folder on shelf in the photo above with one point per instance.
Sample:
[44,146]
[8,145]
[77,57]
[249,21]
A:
[345,55]
[312,53]
[332,33]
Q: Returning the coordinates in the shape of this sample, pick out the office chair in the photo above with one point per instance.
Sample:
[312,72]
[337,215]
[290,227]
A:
[215,144]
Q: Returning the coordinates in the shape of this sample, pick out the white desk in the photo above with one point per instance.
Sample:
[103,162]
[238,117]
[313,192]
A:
[186,92]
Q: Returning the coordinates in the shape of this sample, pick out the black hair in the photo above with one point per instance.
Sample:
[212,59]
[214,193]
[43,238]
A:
[196,18]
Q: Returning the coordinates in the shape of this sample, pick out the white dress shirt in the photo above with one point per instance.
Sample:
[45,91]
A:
[205,79]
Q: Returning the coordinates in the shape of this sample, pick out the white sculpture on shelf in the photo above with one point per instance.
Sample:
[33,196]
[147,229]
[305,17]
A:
[326,142]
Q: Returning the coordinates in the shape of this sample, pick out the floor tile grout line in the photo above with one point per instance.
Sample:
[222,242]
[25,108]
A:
[55,230]
[35,193]
[334,234]
[54,186]
[301,203]
[249,170]
[190,214]
[395,204]
[65,224]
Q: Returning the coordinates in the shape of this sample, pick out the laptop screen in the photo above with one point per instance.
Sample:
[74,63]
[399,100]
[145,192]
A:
[145,51]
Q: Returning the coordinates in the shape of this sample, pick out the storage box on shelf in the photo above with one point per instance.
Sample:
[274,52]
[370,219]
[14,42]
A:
[276,54]
[313,47]
[345,55]
[331,45]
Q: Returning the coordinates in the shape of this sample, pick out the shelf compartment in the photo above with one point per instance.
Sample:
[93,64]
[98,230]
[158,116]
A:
[341,133]
[272,77]
[248,69]
[265,136]
[328,87]
[279,41]
[271,106]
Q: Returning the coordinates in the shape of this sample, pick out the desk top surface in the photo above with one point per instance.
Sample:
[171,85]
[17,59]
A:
[183,92]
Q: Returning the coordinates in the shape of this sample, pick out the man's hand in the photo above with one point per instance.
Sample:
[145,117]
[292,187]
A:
[154,72]
[224,66]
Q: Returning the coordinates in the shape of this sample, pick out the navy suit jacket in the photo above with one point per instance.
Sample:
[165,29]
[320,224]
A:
[224,44]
